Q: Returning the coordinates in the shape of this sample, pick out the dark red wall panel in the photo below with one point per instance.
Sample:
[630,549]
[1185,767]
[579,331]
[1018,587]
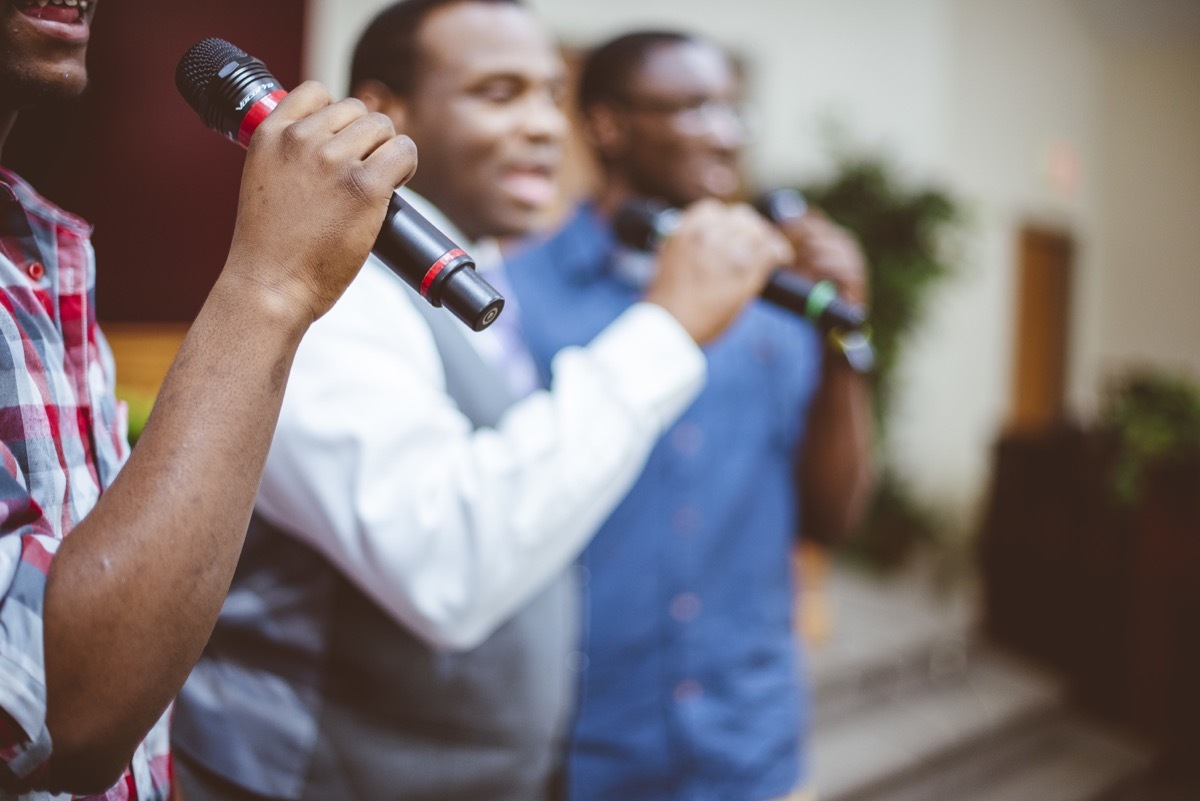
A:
[134,159]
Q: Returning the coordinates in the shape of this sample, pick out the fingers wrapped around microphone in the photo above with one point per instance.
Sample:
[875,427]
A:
[317,182]
[827,252]
[717,260]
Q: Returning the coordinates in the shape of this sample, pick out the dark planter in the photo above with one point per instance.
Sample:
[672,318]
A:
[1030,544]
[1106,595]
[1165,685]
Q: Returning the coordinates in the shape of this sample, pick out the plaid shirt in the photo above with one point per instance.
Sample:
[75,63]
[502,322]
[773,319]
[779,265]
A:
[61,443]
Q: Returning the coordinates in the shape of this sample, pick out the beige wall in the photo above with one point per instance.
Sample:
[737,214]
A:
[1150,209]
[1023,77]
[333,26]
[981,95]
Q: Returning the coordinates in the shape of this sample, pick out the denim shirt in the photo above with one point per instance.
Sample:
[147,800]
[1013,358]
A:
[689,675]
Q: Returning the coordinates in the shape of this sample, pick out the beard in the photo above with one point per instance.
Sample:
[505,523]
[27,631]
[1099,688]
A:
[22,89]
[36,76]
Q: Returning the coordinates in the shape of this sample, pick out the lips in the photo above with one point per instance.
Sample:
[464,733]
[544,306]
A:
[64,21]
[66,12]
[532,185]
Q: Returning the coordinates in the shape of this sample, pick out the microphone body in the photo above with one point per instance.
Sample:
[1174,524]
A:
[643,224]
[234,92]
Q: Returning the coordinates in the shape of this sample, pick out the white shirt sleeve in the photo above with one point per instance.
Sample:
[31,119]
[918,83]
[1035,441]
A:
[452,529]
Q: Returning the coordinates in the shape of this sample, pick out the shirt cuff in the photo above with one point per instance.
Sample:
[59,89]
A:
[651,362]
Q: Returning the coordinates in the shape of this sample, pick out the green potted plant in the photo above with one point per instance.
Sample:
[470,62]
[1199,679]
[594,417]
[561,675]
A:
[906,233]
[1152,418]
[1151,423]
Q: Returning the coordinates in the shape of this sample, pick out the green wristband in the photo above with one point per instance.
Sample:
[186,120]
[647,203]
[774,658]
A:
[822,294]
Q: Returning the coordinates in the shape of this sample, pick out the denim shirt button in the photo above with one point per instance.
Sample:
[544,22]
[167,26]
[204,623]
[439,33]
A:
[687,439]
[685,607]
[686,520]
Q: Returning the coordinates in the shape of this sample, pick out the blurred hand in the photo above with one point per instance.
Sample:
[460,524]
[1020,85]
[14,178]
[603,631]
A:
[317,182]
[716,261]
[828,252]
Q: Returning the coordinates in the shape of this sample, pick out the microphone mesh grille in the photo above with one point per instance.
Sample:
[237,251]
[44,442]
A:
[200,64]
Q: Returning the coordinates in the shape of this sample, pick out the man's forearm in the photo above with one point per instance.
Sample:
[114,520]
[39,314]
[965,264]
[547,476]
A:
[838,471]
[135,589]
[451,530]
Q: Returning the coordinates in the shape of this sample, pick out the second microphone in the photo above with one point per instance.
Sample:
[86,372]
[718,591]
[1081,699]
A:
[642,224]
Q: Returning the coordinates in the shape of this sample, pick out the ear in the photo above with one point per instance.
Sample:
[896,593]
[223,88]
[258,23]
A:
[378,97]
[607,130]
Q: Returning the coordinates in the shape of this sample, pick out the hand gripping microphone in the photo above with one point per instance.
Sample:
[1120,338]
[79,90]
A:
[234,92]
[643,224]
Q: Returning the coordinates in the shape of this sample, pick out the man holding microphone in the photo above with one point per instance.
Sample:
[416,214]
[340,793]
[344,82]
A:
[403,621]
[690,683]
[110,584]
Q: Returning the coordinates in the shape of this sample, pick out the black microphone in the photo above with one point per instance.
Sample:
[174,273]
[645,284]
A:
[233,92]
[643,224]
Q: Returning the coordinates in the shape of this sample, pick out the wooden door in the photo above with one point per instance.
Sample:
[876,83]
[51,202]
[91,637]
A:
[1043,303]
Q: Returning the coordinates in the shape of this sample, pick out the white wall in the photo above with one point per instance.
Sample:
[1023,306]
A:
[1023,81]
[978,95]
[333,26]
[879,64]
[1150,209]
[1116,87]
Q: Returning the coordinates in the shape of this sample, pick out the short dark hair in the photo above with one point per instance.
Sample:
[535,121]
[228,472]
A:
[387,50]
[609,68]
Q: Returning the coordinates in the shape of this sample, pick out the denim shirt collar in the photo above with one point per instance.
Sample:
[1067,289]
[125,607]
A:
[595,251]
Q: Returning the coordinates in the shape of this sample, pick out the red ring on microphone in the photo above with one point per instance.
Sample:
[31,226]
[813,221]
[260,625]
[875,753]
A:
[256,114]
[437,267]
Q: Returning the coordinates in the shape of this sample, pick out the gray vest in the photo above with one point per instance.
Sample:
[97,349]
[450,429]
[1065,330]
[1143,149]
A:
[308,690]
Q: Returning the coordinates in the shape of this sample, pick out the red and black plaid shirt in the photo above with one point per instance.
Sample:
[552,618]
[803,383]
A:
[61,443]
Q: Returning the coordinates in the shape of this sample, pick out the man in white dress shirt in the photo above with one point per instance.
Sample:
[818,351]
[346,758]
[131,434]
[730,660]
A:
[401,623]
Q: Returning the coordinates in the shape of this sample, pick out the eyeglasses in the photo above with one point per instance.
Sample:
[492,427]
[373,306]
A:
[695,116]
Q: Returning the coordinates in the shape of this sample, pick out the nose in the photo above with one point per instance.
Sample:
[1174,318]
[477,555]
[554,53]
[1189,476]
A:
[544,119]
[723,125]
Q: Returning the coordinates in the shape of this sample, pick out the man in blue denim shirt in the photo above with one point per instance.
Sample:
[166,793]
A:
[690,677]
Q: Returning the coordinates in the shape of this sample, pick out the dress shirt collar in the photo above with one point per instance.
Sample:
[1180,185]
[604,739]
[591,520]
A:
[501,344]
[588,234]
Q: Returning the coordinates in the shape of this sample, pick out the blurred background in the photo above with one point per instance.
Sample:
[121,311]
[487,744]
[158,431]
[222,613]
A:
[1020,616]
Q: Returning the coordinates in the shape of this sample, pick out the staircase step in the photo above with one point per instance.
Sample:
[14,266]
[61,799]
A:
[1066,759]
[994,702]
[908,705]
[1085,764]
[887,633]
